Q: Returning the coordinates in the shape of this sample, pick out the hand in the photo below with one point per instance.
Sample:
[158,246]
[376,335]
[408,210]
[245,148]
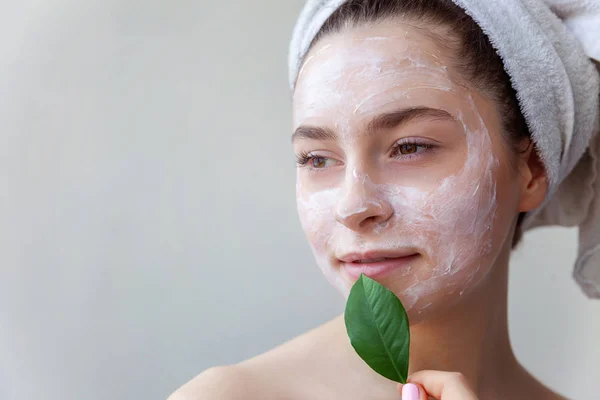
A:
[438,385]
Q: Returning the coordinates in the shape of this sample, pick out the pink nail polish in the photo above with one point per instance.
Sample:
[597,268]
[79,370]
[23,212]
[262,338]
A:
[410,392]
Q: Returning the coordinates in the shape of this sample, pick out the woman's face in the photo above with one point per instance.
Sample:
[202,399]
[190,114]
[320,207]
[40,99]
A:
[403,173]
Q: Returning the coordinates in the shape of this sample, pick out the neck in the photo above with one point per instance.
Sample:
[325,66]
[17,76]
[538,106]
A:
[471,338]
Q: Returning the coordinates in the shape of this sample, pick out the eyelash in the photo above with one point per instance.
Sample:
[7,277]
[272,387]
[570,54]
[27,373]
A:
[413,142]
[303,158]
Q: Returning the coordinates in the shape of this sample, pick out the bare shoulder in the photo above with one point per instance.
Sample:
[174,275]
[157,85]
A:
[319,364]
[222,383]
[271,375]
[280,373]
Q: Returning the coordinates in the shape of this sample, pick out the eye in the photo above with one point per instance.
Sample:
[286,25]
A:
[407,148]
[318,162]
[315,161]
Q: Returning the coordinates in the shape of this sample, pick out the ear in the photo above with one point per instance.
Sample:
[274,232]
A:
[533,179]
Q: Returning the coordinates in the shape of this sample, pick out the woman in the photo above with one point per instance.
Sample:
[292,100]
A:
[417,167]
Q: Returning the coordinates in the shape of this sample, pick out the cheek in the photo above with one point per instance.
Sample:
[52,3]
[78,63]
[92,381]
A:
[461,229]
[315,210]
[453,231]
[451,224]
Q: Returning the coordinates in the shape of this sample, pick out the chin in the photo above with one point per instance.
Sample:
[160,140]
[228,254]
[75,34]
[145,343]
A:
[423,295]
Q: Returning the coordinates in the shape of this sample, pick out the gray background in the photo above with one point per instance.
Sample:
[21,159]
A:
[147,213]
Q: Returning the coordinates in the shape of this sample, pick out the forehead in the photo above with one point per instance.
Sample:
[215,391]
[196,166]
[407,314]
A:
[366,67]
[385,43]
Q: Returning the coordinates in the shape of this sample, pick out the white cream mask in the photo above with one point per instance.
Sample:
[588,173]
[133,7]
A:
[448,220]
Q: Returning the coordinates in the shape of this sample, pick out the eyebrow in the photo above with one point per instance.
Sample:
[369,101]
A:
[314,133]
[382,121]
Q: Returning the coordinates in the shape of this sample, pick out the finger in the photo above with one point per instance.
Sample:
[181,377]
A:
[412,391]
[444,385]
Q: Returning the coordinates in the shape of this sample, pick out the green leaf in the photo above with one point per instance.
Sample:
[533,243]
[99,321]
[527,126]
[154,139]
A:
[378,328]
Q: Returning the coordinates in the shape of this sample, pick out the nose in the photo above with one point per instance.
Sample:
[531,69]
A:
[362,207]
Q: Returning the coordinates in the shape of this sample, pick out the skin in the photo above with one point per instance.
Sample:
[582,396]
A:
[455,206]
[440,203]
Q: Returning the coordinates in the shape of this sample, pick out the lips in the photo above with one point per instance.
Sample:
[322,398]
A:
[377,264]
[372,260]
[376,255]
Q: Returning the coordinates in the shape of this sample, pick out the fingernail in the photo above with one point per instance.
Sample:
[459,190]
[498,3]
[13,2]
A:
[410,392]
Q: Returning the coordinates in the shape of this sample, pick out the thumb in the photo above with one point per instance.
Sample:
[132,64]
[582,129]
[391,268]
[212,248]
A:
[412,391]
[443,385]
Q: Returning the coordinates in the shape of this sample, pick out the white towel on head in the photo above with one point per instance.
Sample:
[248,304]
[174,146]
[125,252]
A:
[558,90]
[582,18]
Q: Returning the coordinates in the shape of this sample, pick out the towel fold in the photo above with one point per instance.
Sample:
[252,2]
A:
[582,18]
[546,46]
